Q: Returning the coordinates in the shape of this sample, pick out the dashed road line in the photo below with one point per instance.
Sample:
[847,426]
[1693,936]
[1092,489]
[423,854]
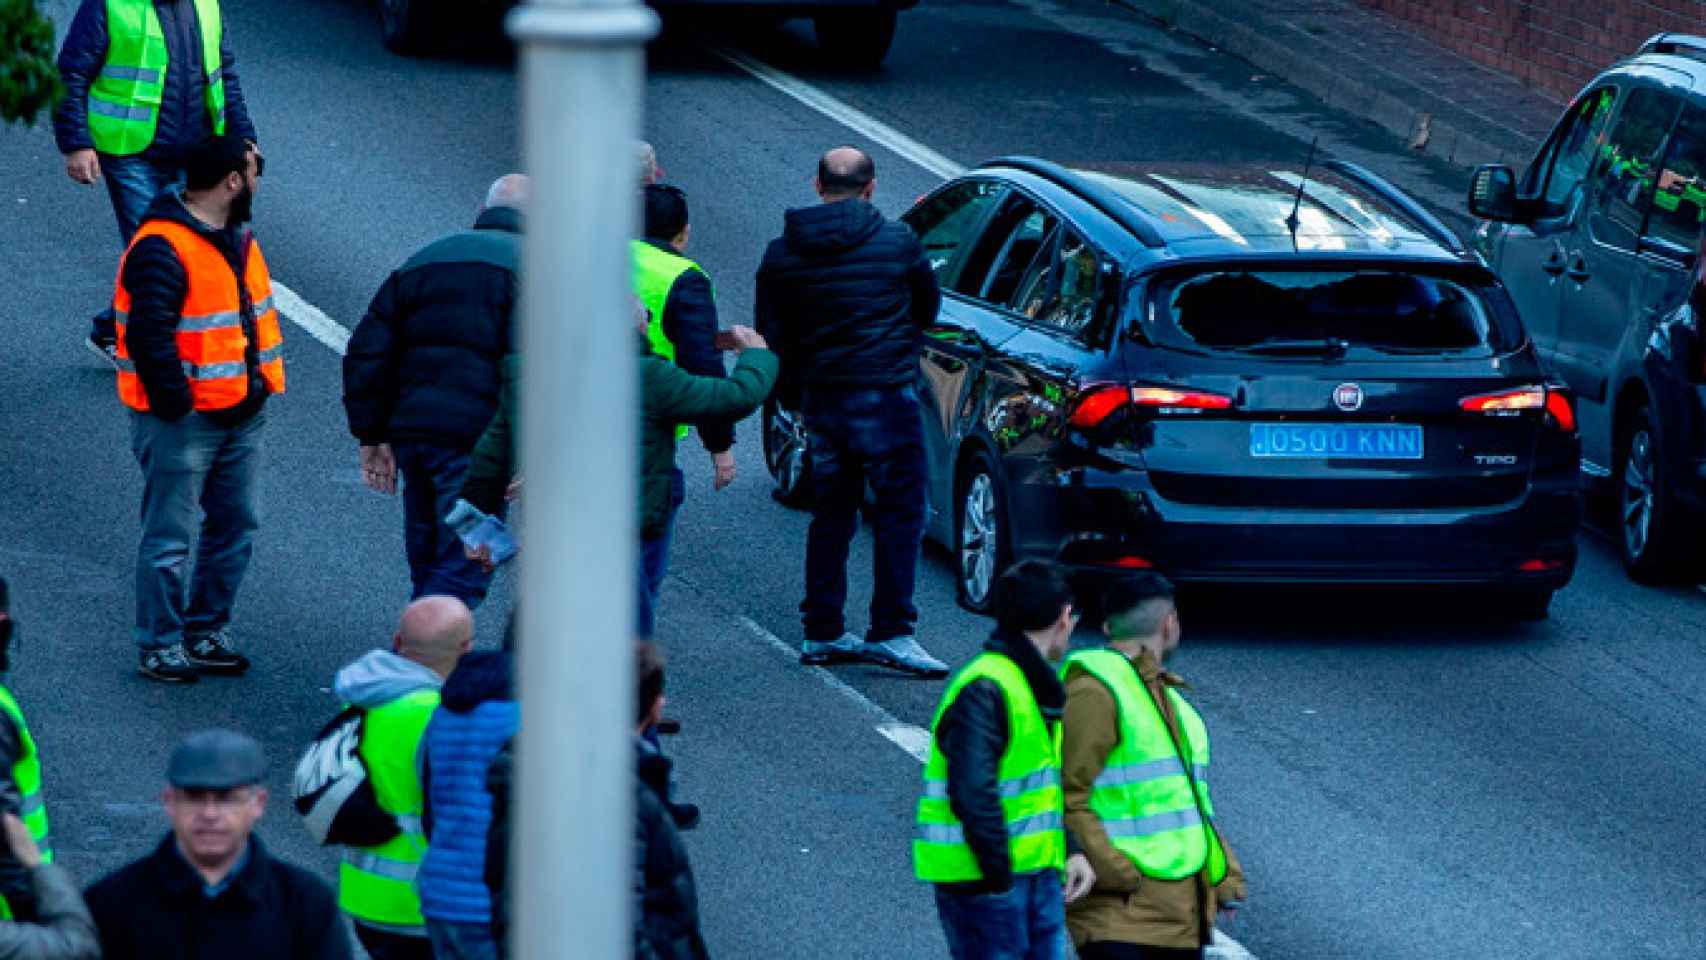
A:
[311,318]
[848,116]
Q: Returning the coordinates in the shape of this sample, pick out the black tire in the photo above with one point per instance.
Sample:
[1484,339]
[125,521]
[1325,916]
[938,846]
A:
[985,550]
[411,27]
[786,455]
[858,39]
[1650,523]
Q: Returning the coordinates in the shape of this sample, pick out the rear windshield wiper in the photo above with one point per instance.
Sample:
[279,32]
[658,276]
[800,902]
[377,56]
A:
[1324,346]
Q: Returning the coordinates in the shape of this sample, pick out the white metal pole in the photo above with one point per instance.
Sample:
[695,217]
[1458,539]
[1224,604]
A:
[583,71]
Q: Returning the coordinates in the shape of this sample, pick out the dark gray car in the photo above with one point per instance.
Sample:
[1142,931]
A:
[1597,243]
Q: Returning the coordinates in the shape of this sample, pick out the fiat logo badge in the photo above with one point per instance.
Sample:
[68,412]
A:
[1347,397]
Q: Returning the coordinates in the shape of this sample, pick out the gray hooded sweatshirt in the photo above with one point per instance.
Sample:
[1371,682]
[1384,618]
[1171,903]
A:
[380,677]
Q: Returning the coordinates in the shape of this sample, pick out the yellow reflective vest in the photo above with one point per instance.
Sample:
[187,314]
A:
[1152,795]
[124,100]
[376,885]
[1028,779]
[26,773]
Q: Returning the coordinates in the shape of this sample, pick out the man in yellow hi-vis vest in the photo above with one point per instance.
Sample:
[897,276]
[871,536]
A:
[20,779]
[397,691]
[145,80]
[989,830]
[682,328]
[1135,771]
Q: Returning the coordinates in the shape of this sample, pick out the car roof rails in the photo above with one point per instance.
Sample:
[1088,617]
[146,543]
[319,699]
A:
[1684,44]
[1429,223]
[1121,210]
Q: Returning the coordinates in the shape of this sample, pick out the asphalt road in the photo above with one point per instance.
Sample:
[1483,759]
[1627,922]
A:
[1401,780]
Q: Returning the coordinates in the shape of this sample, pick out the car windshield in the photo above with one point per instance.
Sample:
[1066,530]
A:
[1302,312]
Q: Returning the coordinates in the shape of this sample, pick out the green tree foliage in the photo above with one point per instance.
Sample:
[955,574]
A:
[29,82]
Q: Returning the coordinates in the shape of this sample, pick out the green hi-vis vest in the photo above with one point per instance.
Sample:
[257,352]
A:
[26,773]
[655,273]
[124,101]
[1028,779]
[376,885]
[1152,797]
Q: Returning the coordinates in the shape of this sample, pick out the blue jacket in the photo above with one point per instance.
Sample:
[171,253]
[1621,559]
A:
[183,107]
[476,718]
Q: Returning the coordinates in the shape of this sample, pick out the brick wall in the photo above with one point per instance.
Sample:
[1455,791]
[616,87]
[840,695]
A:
[1555,46]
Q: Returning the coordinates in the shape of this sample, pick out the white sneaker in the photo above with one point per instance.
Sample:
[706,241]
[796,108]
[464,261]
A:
[904,654]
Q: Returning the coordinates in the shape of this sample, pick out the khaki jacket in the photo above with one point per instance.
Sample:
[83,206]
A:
[1125,906]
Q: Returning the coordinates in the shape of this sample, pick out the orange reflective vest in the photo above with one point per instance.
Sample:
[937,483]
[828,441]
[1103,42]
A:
[211,334]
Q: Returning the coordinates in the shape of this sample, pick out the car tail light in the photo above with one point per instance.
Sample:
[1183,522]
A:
[1524,398]
[1129,563]
[1098,404]
[1554,399]
[1561,409]
[1101,402]
[1539,565]
[1179,399]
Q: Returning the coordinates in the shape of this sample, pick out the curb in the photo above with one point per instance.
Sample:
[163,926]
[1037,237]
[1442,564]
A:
[1314,66]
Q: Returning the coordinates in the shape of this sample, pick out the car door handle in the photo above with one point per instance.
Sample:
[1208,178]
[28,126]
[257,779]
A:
[1554,263]
[1579,269]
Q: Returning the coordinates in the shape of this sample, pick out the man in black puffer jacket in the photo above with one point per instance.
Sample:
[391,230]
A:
[844,296]
[421,381]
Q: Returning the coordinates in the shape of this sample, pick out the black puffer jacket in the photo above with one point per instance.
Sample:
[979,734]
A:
[425,363]
[666,911]
[973,735]
[158,284]
[844,296]
[183,120]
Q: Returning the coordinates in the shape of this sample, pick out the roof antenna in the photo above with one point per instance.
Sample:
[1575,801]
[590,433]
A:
[1291,220]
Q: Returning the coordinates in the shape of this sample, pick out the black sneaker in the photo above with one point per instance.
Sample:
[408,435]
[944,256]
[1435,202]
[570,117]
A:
[168,665]
[103,346]
[213,653]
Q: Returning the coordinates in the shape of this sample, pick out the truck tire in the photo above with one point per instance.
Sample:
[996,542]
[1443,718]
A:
[411,27]
[858,39]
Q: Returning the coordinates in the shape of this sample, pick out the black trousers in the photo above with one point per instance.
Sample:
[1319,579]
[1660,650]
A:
[1131,951]
[383,945]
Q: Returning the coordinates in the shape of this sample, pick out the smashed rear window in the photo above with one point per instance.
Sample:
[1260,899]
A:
[1303,312]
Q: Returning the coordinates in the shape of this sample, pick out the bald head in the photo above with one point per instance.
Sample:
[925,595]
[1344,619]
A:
[435,632]
[509,190]
[845,173]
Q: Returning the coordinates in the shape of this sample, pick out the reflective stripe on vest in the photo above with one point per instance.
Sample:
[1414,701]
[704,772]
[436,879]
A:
[655,273]
[124,100]
[1028,780]
[376,885]
[1153,811]
[212,335]
[26,774]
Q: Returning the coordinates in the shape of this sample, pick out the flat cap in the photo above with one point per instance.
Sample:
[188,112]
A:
[216,760]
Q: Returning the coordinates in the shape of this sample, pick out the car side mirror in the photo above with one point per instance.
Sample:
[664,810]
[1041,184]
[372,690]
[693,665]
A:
[1492,194]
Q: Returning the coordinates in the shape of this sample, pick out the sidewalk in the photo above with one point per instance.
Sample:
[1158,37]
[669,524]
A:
[1377,68]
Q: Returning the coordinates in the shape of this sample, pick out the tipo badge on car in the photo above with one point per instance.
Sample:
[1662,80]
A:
[1347,397]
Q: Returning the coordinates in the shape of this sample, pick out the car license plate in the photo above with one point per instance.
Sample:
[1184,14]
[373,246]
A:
[1350,441]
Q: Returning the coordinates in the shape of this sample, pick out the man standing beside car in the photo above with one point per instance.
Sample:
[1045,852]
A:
[845,296]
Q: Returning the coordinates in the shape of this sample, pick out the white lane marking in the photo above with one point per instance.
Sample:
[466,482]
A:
[851,117]
[915,740]
[310,318]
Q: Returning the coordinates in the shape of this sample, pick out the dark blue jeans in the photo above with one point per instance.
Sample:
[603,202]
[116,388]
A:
[855,437]
[432,478]
[132,184]
[193,466]
[654,557]
[1028,922]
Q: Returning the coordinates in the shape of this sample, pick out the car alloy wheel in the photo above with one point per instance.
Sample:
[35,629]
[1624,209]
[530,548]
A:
[979,540]
[1638,494]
